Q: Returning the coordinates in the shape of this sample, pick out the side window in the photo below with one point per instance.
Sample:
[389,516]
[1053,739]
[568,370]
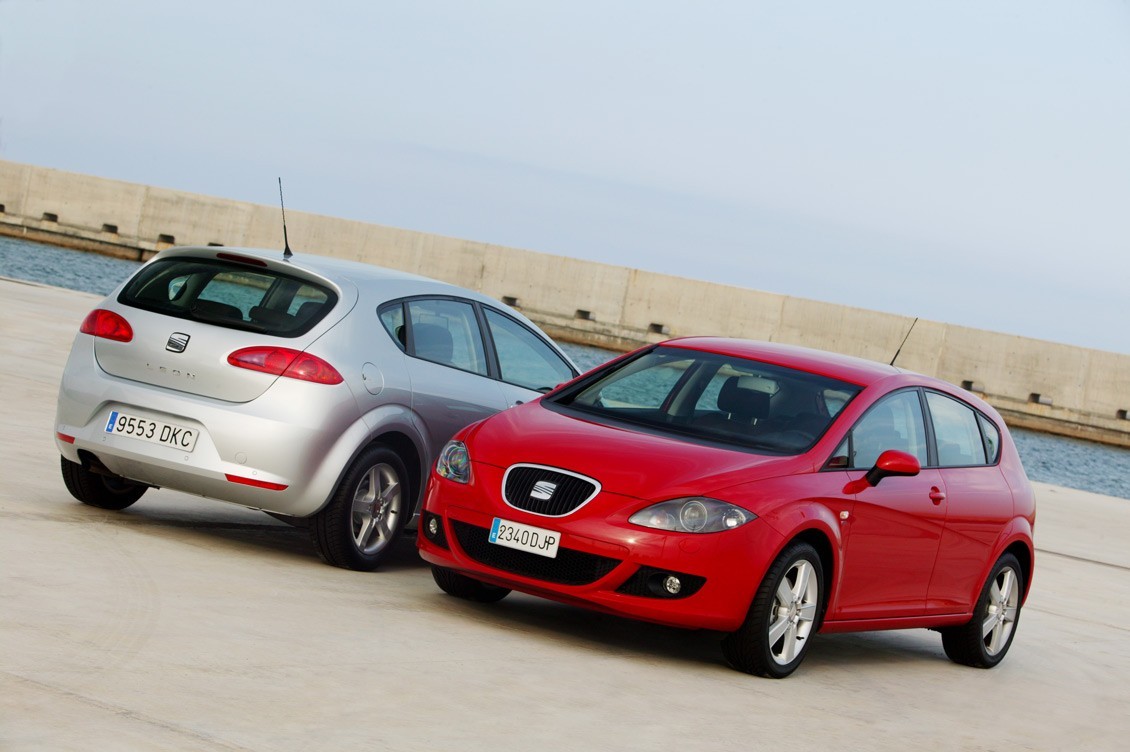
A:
[957,432]
[893,423]
[523,357]
[992,436]
[446,332]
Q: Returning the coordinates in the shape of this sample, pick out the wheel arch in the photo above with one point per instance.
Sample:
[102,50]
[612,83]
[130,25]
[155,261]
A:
[819,540]
[410,455]
[1023,553]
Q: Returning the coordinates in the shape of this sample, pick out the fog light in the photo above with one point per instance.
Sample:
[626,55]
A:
[433,527]
[672,585]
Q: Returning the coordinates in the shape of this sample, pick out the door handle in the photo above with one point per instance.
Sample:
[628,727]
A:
[936,495]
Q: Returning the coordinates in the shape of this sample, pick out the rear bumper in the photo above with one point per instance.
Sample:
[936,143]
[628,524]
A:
[288,437]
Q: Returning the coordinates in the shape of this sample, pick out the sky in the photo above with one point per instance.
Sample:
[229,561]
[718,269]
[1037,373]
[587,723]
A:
[963,161]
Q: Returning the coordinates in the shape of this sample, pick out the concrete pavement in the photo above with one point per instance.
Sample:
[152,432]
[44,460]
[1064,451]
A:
[184,624]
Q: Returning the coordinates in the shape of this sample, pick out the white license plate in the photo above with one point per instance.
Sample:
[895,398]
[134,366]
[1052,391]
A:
[534,540]
[154,431]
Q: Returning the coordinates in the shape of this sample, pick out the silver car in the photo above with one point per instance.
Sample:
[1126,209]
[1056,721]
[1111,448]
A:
[314,389]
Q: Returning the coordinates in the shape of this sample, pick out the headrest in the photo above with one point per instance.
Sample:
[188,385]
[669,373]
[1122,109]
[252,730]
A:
[741,400]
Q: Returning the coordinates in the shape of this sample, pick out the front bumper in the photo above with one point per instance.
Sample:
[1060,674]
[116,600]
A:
[603,562]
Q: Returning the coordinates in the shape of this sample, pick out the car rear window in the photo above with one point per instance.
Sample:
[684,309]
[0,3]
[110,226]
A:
[711,397]
[230,294]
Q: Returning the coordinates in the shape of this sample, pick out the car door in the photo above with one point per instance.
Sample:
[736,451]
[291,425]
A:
[447,364]
[893,532]
[978,498]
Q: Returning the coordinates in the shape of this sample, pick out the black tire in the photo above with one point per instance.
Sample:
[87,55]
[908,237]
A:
[774,638]
[367,512]
[467,588]
[102,491]
[986,638]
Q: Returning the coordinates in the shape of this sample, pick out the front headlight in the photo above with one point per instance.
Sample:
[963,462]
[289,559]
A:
[454,463]
[697,514]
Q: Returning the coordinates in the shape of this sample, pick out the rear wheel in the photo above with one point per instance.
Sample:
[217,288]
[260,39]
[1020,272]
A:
[368,510]
[774,638]
[97,490]
[984,640]
[467,588]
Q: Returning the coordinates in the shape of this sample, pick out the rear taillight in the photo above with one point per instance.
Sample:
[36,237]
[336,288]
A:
[107,325]
[282,361]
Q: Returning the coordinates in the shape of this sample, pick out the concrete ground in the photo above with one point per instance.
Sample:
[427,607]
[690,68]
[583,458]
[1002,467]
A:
[183,624]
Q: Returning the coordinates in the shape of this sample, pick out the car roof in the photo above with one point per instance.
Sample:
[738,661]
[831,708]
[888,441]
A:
[834,365]
[363,275]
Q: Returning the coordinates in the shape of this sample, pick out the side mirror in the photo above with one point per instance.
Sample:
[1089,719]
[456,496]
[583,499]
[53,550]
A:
[892,462]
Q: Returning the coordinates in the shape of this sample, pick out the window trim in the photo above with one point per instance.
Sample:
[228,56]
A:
[932,456]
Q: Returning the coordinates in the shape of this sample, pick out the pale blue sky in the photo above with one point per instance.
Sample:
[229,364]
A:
[960,161]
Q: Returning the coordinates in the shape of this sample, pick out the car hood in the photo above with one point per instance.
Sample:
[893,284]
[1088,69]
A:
[624,460]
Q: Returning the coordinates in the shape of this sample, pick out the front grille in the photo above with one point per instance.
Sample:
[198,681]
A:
[524,484]
[569,568]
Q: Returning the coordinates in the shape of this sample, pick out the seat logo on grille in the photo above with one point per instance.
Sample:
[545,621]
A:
[543,490]
[177,342]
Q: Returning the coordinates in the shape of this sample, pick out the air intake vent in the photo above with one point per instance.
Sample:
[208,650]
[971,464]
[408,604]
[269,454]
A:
[570,567]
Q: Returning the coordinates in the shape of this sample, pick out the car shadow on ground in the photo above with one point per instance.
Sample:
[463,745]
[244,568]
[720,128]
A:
[582,628]
[245,528]
[596,631]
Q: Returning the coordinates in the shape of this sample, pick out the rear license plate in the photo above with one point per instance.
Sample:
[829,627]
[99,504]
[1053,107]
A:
[534,540]
[153,431]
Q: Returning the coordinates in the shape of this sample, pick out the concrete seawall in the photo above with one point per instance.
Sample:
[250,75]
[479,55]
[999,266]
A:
[1043,385]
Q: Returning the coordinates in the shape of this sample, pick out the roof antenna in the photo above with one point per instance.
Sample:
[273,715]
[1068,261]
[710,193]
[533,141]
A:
[287,253]
[904,339]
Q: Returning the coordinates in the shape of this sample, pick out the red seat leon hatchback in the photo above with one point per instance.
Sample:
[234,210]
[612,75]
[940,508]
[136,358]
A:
[765,491]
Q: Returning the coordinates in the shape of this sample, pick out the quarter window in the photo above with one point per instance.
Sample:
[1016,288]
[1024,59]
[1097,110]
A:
[392,318]
[992,438]
[957,432]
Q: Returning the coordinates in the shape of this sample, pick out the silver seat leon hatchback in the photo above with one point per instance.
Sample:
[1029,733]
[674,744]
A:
[315,389]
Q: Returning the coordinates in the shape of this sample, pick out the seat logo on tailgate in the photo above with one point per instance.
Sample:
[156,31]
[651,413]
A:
[177,342]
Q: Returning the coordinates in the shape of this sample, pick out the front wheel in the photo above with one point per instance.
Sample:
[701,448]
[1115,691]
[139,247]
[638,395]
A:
[102,491]
[984,640]
[368,510]
[774,638]
[467,588]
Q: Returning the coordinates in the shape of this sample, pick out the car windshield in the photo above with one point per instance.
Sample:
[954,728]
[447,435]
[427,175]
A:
[229,294]
[709,397]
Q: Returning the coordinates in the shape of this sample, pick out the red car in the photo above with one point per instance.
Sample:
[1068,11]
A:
[766,491]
